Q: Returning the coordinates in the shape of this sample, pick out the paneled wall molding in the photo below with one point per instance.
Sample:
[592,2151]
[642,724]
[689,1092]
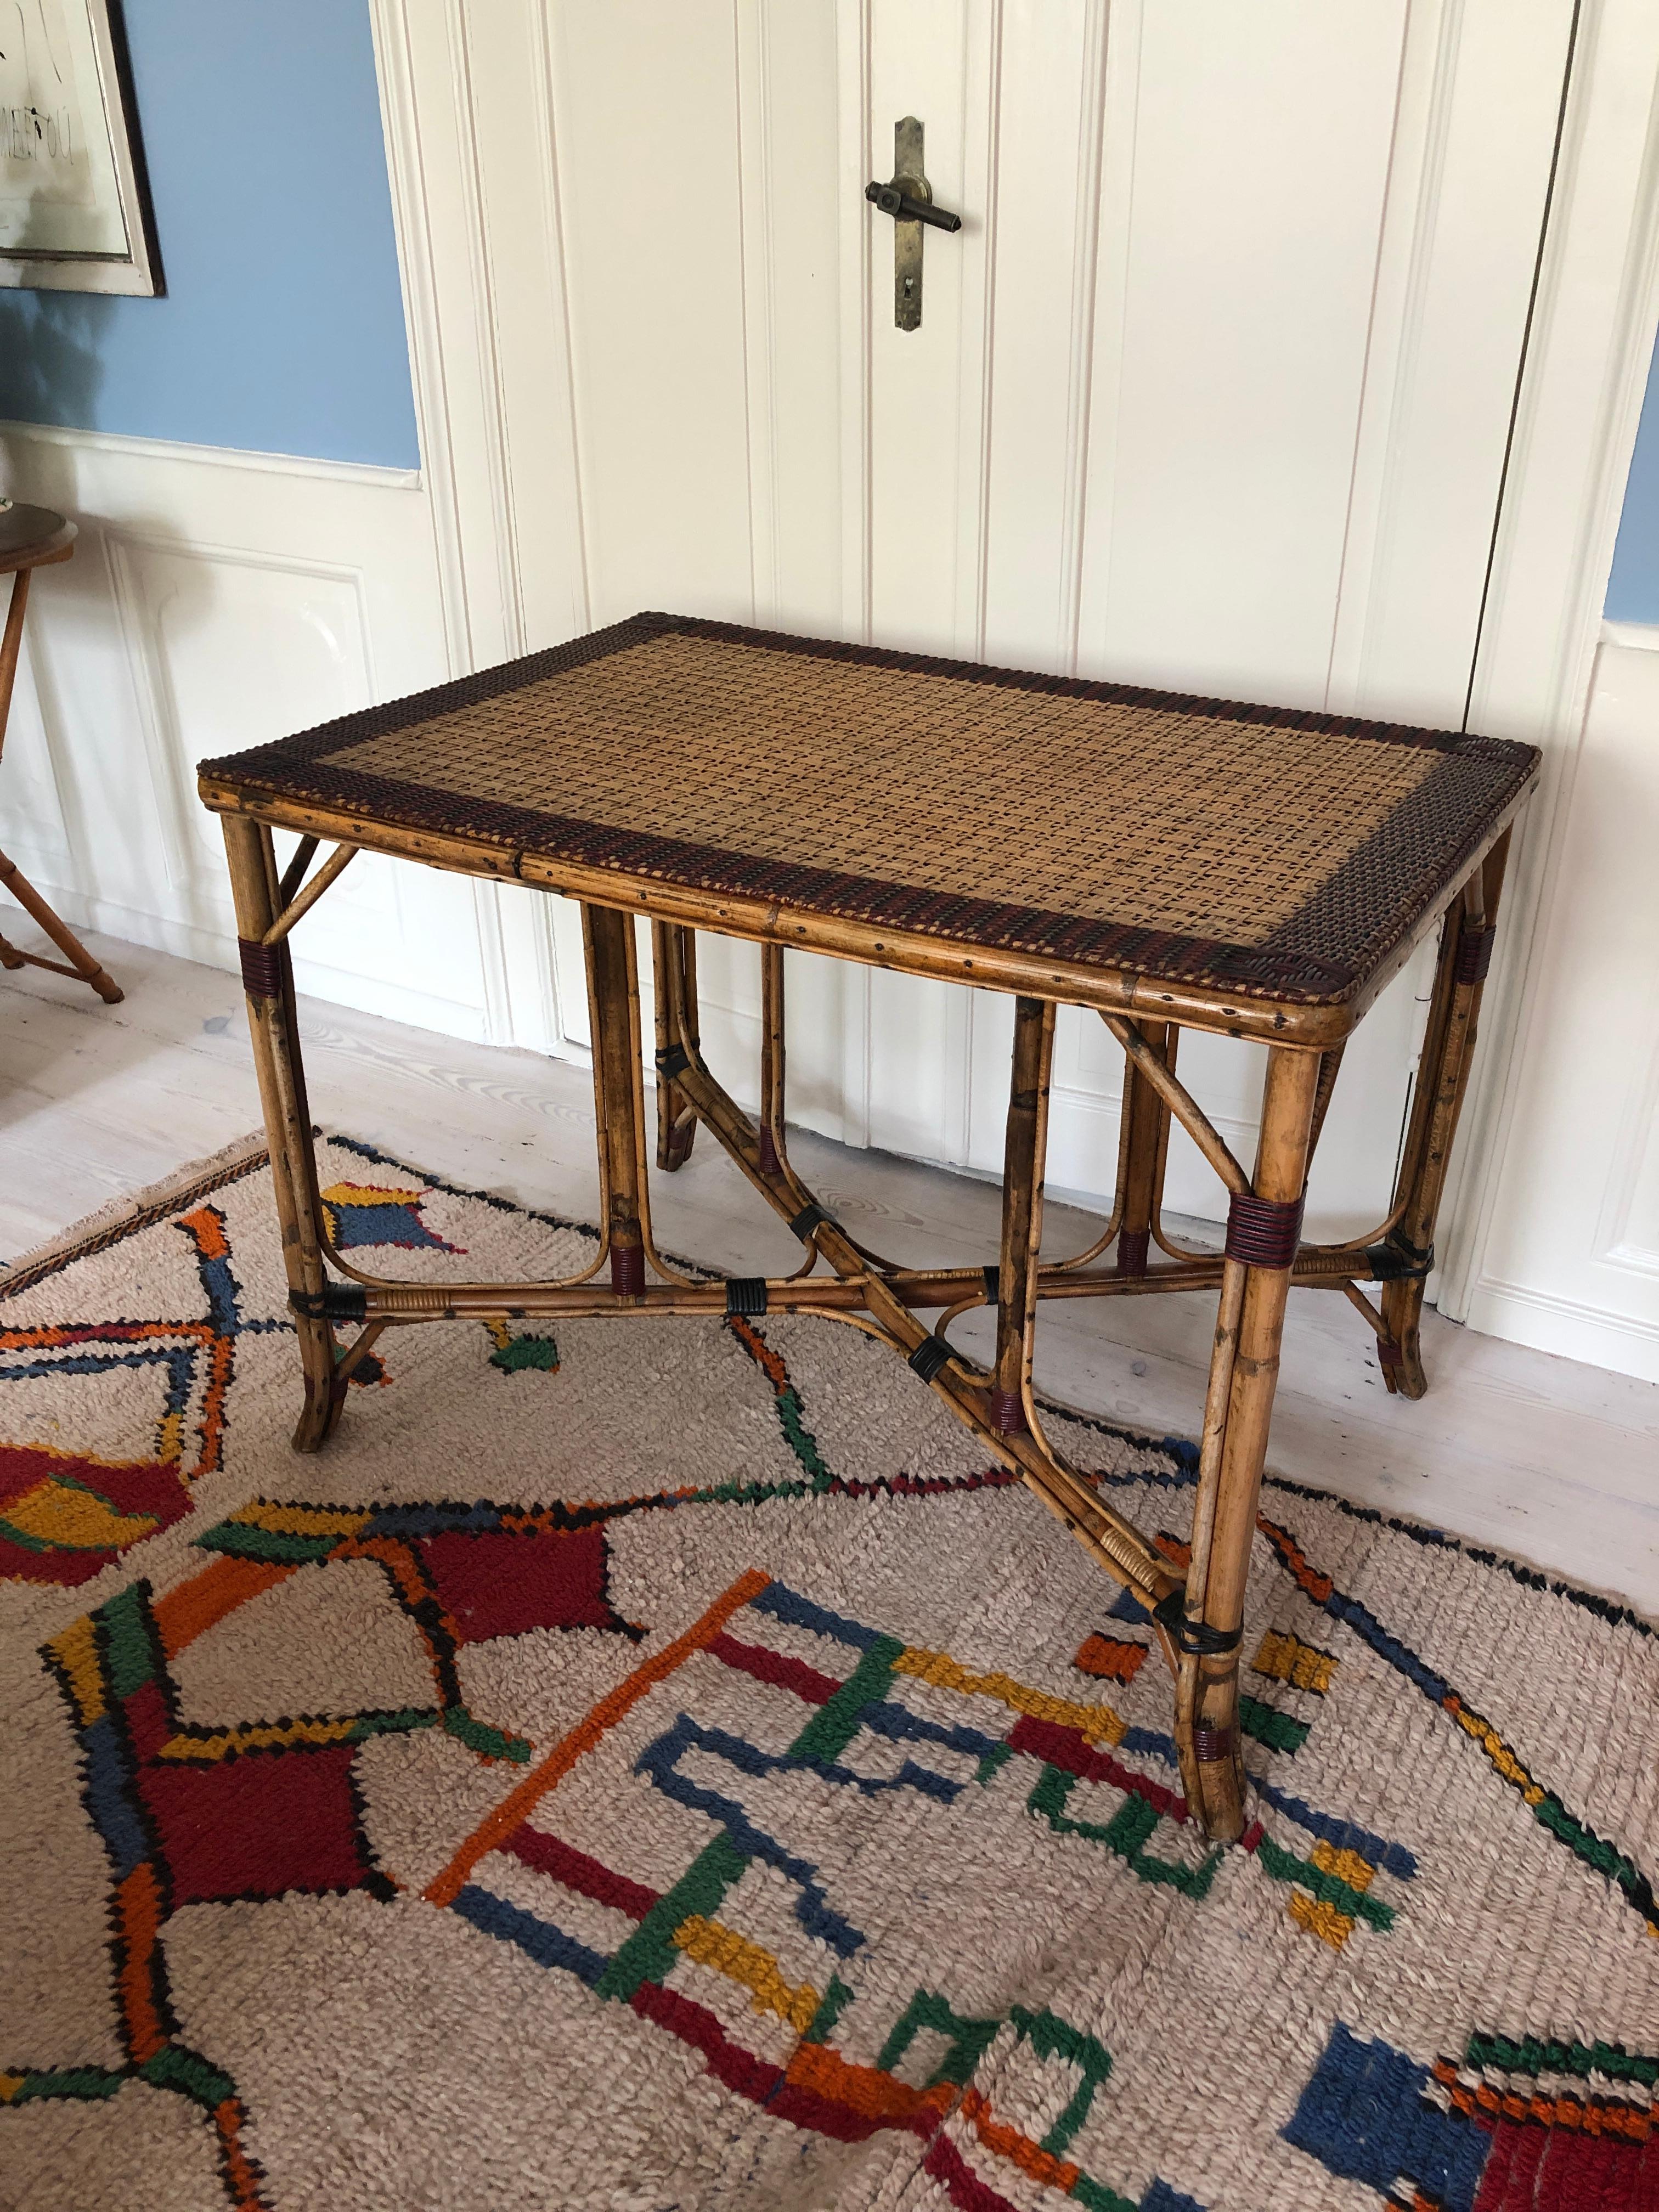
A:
[216,601]
[136,564]
[370,473]
[512,559]
[1592,338]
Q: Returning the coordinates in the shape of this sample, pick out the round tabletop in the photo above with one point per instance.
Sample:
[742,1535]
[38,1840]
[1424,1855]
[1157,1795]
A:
[31,535]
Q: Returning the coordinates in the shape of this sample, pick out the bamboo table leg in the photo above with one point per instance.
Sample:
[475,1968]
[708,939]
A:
[1263,1232]
[1466,944]
[1146,1124]
[606,934]
[77,962]
[674,970]
[268,978]
[1022,1213]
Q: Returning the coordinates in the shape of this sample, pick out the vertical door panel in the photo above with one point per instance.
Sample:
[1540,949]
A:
[1248,242]
[645,117]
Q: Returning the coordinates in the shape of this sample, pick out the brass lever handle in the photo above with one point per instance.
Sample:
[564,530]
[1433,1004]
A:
[908,199]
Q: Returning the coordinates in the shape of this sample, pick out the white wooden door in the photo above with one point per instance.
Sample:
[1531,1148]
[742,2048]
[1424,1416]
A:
[1213,390]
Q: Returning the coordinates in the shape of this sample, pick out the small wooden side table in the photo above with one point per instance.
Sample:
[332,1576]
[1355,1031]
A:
[32,537]
[1169,863]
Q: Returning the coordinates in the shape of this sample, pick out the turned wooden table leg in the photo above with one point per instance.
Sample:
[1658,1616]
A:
[1021,1211]
[267,979]
[1263,1229]
[1442,1077]
[616,1079]
[674,970]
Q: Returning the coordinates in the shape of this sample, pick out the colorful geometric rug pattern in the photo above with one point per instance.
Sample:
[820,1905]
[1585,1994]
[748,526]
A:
[667,1766]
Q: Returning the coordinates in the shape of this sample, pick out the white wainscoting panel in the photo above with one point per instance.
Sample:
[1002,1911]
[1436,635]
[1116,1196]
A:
[1572,1260]
[216,600]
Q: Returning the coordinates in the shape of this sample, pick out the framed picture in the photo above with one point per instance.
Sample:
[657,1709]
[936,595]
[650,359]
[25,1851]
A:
[73,213]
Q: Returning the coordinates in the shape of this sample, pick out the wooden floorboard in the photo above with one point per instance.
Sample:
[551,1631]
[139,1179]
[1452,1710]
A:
[1546,1457]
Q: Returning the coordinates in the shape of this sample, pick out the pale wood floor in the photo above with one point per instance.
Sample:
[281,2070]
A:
[1555,1461]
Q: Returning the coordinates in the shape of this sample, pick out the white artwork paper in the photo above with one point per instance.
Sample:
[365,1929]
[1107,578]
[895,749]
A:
[70,212]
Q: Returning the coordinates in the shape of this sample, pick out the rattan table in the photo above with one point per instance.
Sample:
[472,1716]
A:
[1167,862]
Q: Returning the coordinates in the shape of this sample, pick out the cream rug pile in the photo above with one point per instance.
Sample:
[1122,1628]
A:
[649,1766]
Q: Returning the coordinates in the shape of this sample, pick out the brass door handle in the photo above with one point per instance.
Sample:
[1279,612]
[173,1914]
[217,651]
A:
[908,199]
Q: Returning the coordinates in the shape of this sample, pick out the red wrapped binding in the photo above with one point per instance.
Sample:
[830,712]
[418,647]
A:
[262,969]
[1263,1232]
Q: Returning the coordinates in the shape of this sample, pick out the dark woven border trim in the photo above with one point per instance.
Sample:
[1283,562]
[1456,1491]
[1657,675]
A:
[1488,776]
[1478,784]
[262,968]
[642,629]
[418,707]
[1057,687]
[1263,1232]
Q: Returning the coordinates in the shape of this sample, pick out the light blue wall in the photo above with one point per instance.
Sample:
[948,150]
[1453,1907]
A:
[1633,586]
[281,329]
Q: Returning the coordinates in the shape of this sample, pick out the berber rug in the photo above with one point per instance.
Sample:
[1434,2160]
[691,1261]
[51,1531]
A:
[667,1766]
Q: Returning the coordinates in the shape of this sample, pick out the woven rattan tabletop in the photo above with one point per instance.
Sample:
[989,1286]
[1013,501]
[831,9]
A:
[1259,852]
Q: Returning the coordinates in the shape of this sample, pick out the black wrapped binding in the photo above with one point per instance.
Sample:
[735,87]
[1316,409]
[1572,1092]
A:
[807,1220]
[994,1285]
[746,1294]
[1398,1261]
[334,1302]
[930,1356]
[674,1060]
[1194,1635]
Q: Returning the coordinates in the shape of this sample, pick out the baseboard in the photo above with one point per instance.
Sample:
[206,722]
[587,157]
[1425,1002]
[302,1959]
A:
[1563,1325]
[232,456]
